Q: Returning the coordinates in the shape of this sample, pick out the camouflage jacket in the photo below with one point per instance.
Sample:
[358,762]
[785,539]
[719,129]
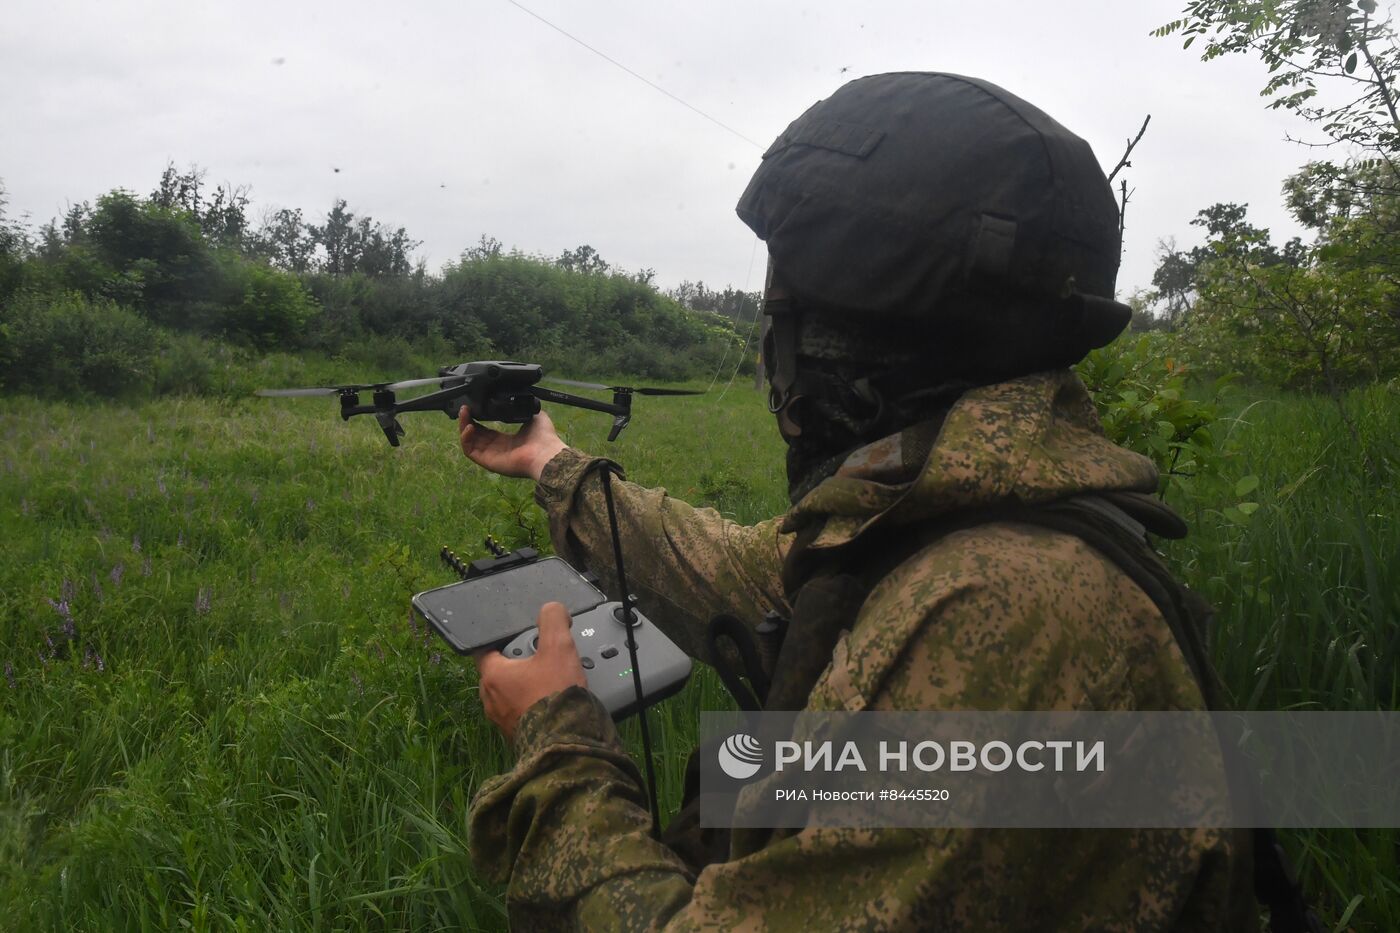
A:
[993,617]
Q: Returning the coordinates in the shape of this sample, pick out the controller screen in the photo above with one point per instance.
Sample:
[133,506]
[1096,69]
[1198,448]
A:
[489,611]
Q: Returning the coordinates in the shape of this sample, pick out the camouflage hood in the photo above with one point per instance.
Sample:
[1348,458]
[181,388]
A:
[1026,441]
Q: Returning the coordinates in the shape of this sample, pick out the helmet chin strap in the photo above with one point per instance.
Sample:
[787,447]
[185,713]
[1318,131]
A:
[780,353]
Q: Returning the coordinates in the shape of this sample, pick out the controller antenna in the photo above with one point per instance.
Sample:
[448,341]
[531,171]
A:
[451,561]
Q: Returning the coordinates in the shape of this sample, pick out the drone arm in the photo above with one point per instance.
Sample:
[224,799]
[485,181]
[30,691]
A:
[620,409]
[447,400]
[617,407]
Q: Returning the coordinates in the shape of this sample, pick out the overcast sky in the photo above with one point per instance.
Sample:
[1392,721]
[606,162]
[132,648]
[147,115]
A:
[463,119]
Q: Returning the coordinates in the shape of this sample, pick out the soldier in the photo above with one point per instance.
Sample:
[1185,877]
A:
[940,253]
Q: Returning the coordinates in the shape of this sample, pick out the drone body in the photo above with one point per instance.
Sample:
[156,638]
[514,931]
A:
[494,390]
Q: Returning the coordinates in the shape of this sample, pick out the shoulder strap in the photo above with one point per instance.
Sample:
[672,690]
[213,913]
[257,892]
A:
[1122,539]
[1116,525]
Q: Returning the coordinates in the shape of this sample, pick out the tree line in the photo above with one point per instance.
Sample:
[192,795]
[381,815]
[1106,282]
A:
[90,298]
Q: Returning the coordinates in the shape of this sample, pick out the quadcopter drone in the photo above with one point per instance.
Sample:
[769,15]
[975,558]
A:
[495,390]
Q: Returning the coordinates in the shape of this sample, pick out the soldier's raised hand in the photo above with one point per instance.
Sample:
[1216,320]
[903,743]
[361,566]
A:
[522,454]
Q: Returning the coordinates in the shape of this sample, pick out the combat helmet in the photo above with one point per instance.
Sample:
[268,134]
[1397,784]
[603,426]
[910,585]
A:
[940,207]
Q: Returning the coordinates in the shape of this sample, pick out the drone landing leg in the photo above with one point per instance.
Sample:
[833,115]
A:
[392,429]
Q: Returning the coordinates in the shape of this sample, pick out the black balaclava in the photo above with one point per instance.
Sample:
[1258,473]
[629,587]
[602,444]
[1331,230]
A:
[853,383]
[852,388]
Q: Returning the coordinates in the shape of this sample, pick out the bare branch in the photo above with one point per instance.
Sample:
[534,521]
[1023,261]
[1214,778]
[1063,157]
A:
[1123,162]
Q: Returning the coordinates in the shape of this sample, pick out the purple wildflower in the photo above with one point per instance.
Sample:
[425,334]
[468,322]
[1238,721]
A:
[180,541]
[355,679]
[62,607]
[67,591]
[117,573]
[146,567]
[201,602]
[436,658]
[310,505]
[69,629]
[10,676]
[92,659]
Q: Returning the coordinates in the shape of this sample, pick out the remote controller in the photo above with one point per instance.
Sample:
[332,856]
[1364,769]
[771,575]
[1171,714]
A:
[601,637]
[490,606]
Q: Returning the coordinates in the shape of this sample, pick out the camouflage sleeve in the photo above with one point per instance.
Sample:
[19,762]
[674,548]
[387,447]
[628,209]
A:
[684,564]
[571,817]
[567,828]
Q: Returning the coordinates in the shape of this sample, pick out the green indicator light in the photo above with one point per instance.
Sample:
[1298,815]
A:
[625,673]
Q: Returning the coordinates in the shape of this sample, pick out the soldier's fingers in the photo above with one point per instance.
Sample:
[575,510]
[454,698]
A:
[490,663]
[554,623]
[465,424]
[474,438]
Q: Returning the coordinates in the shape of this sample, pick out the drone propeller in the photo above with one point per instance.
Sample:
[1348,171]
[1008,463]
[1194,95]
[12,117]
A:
[297,393]
[626,389]
[443,381]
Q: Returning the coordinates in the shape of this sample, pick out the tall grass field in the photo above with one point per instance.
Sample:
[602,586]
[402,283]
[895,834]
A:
[218,713]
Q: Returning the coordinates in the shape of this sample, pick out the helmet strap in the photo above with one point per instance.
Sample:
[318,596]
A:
[780,350]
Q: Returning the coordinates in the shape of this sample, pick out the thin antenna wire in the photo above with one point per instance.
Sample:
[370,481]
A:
[757,313]
[652,84]
[748,277]
[629,622]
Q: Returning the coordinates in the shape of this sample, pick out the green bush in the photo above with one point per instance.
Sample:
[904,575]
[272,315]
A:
[1144,399]
[271,309]
[158,257]
[190,365]
[394,357]
[53,344]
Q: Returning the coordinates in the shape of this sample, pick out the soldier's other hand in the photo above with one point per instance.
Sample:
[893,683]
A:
[523,453]
[509,686]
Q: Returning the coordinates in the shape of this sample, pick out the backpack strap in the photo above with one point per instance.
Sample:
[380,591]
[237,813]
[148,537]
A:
[831,587]
[1122,540]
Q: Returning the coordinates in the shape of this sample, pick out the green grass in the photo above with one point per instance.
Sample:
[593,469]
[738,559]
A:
[1308,597]
[269,742]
